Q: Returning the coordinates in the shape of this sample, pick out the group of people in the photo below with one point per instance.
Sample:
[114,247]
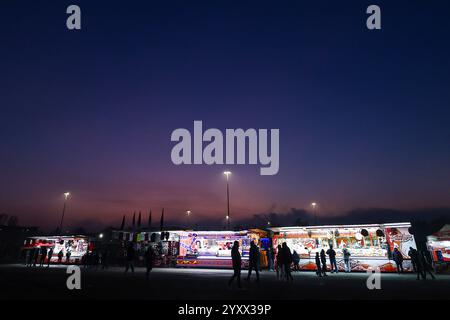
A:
[420,261]
[321,261]
[283,262]
[130,256]
[96,259]
[38,256]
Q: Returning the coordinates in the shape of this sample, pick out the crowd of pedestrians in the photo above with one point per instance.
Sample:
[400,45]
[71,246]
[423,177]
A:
[42,257]
[283,261]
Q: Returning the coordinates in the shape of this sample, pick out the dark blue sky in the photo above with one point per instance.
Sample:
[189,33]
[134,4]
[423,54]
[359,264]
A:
[363,115]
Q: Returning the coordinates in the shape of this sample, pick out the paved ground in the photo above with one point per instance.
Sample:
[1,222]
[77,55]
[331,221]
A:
[19,282]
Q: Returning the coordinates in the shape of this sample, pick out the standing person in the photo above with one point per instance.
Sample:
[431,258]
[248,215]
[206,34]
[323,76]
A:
[426,264]
[236,259]
[412,253]
[279,264]
[49,256]
[130,258]
[43,256]
[323,260]
[287,256]
[346,254]
[36,256]
[319,268]
[60,256]
[149,255]
[332,256]
[28,258]
[68,254]
[398,259]
[253,261]
[296,260]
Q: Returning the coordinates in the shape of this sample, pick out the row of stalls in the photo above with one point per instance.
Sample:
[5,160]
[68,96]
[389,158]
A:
[370,245]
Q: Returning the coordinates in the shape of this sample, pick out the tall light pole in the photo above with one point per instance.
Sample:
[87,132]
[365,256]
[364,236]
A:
[227,174]
[66,195]
[314,205]
[188,214]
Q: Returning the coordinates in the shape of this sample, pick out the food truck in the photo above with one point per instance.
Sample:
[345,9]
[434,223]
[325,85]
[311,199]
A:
[77,245]
[438,245]
[213,248]
[370,245]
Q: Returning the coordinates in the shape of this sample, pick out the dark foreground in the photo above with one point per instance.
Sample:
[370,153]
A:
[19,282]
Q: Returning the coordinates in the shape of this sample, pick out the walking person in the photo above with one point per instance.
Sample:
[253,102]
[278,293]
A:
[280,262]
[149,256]
[426,264]
[332,256]
[287,257]
[346,254]
[323,260]
[319,267]
[236,260]
[49,256]
[130,258]
[398,259]
[253,261]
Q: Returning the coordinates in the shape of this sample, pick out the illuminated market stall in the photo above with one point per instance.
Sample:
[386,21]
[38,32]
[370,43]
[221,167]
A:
[439,246]
[213,248]
[370,245]
[78,246]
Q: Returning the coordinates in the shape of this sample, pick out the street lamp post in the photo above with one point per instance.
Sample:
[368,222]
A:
[188,214]
[314,205]
[227,174]
[66,195]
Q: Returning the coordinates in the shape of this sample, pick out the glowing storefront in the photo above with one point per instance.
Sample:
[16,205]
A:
[213,248]
[370,245]
[439,246]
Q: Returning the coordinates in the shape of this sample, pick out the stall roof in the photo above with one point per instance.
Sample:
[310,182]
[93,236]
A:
[443,234]
[299,228]
[54,237]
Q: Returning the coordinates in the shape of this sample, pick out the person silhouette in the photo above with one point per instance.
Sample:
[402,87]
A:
[319,268]
[49,255]
[287,259]
[43,256]
[323,260]
[149,255]
[332,255]
[280,262]
[130,258]
[236,261]
[426,265]
[398,259]
[253,260]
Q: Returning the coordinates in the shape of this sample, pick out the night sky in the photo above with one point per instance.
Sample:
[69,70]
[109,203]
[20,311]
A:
[363,115]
